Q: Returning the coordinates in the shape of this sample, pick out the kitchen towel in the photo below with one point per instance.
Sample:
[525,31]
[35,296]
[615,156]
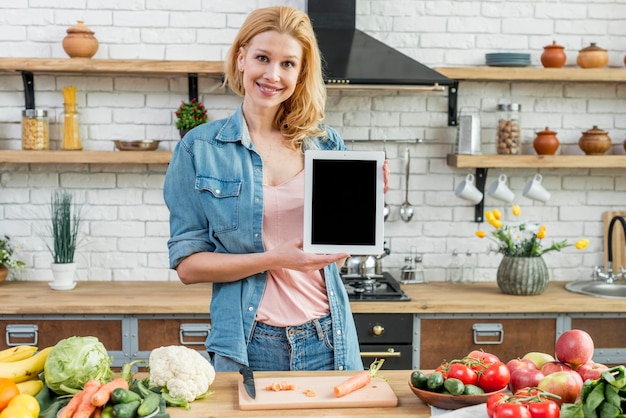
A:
[474,411]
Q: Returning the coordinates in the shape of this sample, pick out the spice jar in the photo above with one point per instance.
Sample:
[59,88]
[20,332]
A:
[546,142]
[71,135]
[592,57]
[80,41]
[595,141]
[35,134]
[553,56]
[509,135]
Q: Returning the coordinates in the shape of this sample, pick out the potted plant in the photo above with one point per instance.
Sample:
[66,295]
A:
[189,115]
[522,271]
[65,217]
[7,260]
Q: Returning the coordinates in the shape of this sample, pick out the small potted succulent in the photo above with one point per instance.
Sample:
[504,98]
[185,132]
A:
[8,261]
[189,115]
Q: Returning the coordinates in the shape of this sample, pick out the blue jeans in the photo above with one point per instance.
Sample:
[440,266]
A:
[302,347]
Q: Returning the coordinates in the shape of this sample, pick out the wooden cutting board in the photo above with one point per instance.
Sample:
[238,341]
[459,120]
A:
[377,393]
[619,246]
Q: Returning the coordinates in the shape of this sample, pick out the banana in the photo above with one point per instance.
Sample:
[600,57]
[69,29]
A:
[19,352]
[27,369]
[30,387]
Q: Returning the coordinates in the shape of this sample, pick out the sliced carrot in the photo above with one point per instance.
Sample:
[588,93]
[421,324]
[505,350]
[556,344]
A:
[358,380]
[310,393]
[86,408]
[102,396]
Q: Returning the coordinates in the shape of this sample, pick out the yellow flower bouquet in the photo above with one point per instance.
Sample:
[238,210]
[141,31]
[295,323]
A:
[522,239]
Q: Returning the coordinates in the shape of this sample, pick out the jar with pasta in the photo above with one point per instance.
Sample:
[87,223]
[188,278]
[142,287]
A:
[35,135]
[509,130]
[71,135]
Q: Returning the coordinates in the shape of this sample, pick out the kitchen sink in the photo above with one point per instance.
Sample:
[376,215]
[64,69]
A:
[599,288]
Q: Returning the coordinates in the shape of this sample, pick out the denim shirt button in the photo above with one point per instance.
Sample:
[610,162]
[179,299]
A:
[256,235]
[338,332]
[340,368]
[218,191]
[250,308]
[256,200]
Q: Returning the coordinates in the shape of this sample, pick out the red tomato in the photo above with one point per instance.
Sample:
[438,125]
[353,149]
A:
[485,356]
[544,409]
[529,392]
[443,369]
[495,377]
[512,410]
[493,401]
[463,373]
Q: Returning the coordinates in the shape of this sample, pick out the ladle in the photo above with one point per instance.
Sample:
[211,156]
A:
[386,209]
[406,210]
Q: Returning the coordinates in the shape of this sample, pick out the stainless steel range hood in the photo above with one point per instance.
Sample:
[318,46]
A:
[353,57]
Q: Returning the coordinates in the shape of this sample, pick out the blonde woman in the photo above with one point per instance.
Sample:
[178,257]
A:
[235,191]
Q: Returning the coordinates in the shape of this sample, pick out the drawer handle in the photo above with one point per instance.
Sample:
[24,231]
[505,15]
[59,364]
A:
[193,330]
[390,353]
[482,331]
[22,331]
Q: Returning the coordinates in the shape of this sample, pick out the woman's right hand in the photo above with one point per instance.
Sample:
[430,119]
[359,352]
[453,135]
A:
[291,256]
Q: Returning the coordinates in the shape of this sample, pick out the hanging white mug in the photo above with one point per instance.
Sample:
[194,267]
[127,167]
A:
[467,190]
[499,189]
[534,189]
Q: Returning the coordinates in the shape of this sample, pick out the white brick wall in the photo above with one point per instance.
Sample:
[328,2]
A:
[126,222]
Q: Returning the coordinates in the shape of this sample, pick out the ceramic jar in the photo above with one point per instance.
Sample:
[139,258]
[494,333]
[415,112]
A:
[80,42]
[592,57]
[546,142]
[595,141]
[553,56]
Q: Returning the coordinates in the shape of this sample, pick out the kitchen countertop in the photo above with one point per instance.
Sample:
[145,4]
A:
[100,297]
[225,401]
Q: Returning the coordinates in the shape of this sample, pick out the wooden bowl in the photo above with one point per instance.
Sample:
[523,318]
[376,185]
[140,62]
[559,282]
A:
[444,401]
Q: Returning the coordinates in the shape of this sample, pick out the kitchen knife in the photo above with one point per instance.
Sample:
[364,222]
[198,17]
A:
[248,381]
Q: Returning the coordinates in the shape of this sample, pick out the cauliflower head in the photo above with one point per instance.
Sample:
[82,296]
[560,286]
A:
[183,371]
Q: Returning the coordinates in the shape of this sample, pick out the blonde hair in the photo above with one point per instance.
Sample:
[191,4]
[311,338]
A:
[298,117]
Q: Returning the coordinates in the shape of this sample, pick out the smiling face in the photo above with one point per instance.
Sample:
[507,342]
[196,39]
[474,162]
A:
[271,64]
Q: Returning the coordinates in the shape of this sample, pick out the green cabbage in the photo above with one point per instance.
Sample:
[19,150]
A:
[75,360]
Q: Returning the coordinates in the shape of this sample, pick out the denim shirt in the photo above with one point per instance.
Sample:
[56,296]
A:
[214,191]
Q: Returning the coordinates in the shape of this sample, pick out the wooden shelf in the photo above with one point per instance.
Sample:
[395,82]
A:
[536,161]
[604,75]
[85,157]
[86,65]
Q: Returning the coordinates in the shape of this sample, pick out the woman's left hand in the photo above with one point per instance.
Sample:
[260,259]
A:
[386,175]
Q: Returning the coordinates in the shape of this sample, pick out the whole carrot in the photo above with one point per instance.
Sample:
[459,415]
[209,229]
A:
[103,394]
[86,408]
[359,380]
[72,406]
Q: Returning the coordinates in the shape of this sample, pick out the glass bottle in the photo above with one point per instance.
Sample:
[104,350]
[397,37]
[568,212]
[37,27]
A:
[71,134]
[467,269]
[509,130]
[35,135]
[455,272]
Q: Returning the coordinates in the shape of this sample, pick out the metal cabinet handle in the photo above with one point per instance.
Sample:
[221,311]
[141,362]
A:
[390,353]
[22,331]
[193,330]
[488,330]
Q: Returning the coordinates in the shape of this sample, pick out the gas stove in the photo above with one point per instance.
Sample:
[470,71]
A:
[374,288]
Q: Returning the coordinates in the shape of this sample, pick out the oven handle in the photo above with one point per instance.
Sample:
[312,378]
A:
[390,353]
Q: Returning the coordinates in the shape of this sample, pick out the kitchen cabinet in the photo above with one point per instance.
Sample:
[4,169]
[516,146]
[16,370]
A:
[386,336]
[443,337]
[606,330]
[47,330]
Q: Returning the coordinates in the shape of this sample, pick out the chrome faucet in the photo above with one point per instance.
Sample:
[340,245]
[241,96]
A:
[609,276]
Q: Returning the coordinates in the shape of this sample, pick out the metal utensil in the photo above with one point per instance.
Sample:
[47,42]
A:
[406,210]
[248,381]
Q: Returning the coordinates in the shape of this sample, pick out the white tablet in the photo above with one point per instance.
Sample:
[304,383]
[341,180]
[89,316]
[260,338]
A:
[343,202]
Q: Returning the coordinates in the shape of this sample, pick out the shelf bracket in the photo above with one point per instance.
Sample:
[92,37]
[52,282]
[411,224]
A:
[29,89]
[193,86]
[481,178]
[453,91]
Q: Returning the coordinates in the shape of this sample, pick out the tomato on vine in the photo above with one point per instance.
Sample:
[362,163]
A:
[544,409]
[495,377]
[462,372]
[493,401]
[512,410]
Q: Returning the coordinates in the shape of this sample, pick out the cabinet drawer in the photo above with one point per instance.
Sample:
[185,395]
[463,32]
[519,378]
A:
[156,332]
[447,339]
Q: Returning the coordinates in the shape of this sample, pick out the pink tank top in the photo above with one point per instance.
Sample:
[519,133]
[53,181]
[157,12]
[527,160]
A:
[291,297]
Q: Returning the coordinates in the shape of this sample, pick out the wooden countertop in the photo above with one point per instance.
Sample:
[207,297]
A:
[225,401]
[35,297]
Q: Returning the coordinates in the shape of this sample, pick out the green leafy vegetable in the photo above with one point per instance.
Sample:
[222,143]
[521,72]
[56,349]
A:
[75,360]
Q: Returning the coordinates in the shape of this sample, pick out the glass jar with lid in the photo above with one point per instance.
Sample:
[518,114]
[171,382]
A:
[35,135]
[509,129]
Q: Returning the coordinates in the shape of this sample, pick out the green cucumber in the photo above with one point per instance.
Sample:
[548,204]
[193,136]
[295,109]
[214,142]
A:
[149,404]
[126,410]
[121,395]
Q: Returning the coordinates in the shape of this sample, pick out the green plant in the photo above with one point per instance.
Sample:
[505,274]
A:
[65,220]
[7,258]
[522,239]
[190,114]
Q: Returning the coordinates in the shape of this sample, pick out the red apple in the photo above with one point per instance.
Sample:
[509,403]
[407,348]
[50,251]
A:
[591,370]
[566,384]
[574,347]
[525,378]
[550,367]
[518,363]
[538,358]
[486,357]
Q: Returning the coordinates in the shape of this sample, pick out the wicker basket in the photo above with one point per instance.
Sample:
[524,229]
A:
[523,275]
